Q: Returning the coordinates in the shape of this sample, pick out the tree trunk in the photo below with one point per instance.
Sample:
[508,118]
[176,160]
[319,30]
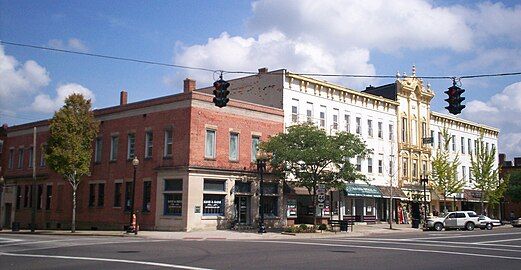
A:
[73,224]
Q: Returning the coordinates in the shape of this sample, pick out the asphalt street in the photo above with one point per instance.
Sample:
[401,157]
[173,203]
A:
[496,249]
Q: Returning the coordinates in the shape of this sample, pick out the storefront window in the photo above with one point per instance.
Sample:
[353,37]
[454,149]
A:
[173,204]
[270,206]
[213,204]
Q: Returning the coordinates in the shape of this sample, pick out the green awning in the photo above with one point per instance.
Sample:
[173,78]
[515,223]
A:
[360,190]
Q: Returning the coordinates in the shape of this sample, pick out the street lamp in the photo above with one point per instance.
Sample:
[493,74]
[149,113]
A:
[133,221]
[261,157]
[425,181]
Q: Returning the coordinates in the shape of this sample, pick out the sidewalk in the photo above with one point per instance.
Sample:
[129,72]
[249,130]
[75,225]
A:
[358,231]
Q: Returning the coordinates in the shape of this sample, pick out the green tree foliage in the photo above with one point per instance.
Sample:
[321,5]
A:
[306,154]
[69,148]
[445,170]
[514,186]
[485,175]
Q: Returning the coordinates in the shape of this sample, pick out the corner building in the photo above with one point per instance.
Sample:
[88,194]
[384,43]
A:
[196,167]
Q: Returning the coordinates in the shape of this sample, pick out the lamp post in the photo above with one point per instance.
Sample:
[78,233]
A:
[133,227]
[2,186]
[425,181]
[261,167]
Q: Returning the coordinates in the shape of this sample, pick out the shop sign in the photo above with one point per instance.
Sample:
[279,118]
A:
[292,208]
[417,195]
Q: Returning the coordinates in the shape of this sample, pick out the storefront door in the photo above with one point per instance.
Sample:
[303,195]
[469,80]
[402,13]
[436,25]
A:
[7,215]
[242,207]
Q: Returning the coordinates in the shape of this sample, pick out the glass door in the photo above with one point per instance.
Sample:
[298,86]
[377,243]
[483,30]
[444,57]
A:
[242,204]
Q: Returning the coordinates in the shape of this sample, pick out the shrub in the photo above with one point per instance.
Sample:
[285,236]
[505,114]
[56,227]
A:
[322,227]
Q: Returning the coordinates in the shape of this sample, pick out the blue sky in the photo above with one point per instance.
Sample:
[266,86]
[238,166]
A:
[338,36]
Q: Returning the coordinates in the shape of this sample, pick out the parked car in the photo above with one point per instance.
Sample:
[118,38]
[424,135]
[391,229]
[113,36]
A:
[516,222]
[454,220]
[487,223]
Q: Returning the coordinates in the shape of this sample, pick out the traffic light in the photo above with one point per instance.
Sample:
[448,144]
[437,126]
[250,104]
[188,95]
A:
[455,99]
[221,93]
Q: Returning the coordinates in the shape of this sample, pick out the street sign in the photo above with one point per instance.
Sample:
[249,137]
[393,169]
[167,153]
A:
[427,140]
[320,205]
[321,198]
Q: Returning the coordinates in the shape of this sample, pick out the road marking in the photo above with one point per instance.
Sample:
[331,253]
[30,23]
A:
[394,248]
[9,240]
[463,236]
[466,246]
[89,244]
[498,241]
[165,265]
[44,241]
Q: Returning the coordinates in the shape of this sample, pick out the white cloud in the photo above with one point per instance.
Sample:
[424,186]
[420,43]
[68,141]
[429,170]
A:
[502,110]
[19,80]
[45,104]
[70,44]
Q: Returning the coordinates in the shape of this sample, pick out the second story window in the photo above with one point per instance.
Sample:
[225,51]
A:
[370,127]
[454,143]
[114,141]
[469,145]
[20,158]
[168,143]
[347,120]
[97,150]
[335,119]
[31,156]
[149,138]
[255,140]
[322,116]
[131,145]
[404,129]
[464,173]
[359,164]
[294,111]
[405,167]
[380,130]
[209,149]
[309,112]
[391,132]
[359,126]
[462,145]
[370,165]
[424,130]
[440,141]
[42,155]
[10,159]
[234,146]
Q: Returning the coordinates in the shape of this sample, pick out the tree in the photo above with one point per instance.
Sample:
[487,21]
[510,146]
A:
[311,157]
[514,186]
[445,171]
[485,175]
[69,148]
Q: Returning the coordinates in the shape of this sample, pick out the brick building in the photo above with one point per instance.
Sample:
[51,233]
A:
[196,168]
[508,167]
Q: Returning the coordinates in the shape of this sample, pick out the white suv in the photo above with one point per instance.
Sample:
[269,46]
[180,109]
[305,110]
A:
[454,220]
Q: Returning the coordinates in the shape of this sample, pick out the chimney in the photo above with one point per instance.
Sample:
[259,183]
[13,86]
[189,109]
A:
[517,162]
[123,98]
[189,85]
[502,159]
[263,70]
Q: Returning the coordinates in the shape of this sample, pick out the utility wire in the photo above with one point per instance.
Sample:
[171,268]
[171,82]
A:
[253,72]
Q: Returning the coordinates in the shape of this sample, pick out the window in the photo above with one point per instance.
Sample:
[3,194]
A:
[173,204]
[97,150]
[460,215]
[322,116]
[380,166]
[128,195]
[335,119]
[404,129]
[40,197]
[470,174]
[464,172]
[486,147]
[469,145]
[294,111]
[370,165]
[462,145]
[370,127]
[440,141]
[214,185]
[493,147]
[391,167]
[234,146]
[405,167]
[432,138]
[391,132]
[347,120]
[414,129]
[380,130]
[172,197]
[424,130]
[131,145]
[101,194]
[20,158]
[270,205]
[213,204]
[114,147]
[270,188]
[242,187]
[167,152]
[414,168]
[254,147]
[149,139]
[92,194]
[209,150]
[42,155]
[117,194]
[48,197]
[18,196]
[358,125]
[424,168]
[31,150]
[147,190]
[359,164]
[11,157]
[309,112]
[454,143]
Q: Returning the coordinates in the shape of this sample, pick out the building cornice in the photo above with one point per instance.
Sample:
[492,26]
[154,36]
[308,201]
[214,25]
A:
[436,116]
